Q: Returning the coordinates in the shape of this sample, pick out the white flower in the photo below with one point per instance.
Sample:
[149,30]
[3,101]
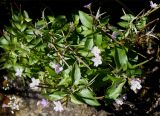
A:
[5,77]
[34,84]
[58,106]
[56,67]
[19,72]
[97,60]
[119,101]
[96,51]
[153,5]
[135,85]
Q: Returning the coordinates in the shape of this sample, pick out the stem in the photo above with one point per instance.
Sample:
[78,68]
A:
[134,66]
[60,56]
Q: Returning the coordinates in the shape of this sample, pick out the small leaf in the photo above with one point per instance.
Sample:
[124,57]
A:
[85,53]
[50,71]
[115,89]
[76,20]
[127,17]
[15,17]
[56,96]
[88,97]
[76,73]
[3,41]
[28,19]
[75,100]
[124,24]
[89,43]
[51,19]
[141,23]
[92,102]
[120,57]
[25,14]
[85,19]
[23,27]
[18,26]
[66,81]
[86,33]
[98,39]
[41,23]
[104,21]
[82,82]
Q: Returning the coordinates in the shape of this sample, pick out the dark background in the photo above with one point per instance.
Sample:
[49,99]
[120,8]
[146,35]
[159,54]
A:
[66,7]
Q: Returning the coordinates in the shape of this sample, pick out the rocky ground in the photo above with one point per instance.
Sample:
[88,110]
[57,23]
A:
[29,107]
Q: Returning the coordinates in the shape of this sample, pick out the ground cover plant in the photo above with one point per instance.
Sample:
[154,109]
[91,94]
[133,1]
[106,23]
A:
[85,60]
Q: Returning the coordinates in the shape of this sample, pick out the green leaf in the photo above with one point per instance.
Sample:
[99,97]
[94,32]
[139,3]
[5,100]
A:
[98,39]
[18,26]
[141,23]
[66,81]
[85,53]
[15,17]
[82,82]
[88,97]
[3,41]
[35,41]
[56,96]
[28,19]
[124,24]
[76,73]
[136,72]
[120,58]
[127,17]
[23,27]
[86,93]
[41,23]
[30,32]
[89,43]
[115,89]
[75,100]
[25,14]
[104,21]
[50,71]
[85,19]
[76,20]
[86,33]
[51,19]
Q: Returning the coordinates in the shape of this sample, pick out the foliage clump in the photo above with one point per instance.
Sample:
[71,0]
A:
[75,61]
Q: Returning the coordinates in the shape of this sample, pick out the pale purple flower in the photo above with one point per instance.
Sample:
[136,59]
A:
[153,5]
[135,84]
[4,106]
[96,51]
[58,106]
[88,6]
[43,102]
[56,67]
[114,35]
[97,60]
[34,83]
[19,72]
